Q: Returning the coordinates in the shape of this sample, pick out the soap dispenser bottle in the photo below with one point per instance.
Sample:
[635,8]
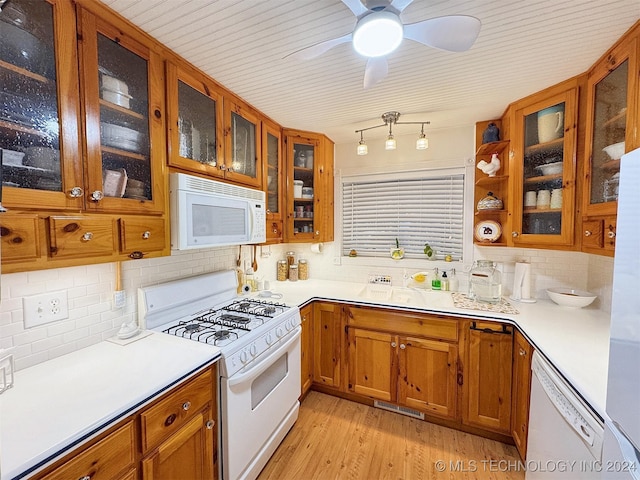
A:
[435,283]
[444,282]
[453,280]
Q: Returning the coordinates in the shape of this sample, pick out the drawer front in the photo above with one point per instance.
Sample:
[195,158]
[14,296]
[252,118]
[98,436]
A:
[175,409]
[102,461]
[140,234]
[82,236]
[20,237]
[432,326]
[592,233]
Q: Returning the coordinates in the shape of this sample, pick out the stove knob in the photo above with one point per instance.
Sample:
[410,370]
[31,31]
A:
[288,325]
[253,350]
[243,356]
[279,332]
[269,338]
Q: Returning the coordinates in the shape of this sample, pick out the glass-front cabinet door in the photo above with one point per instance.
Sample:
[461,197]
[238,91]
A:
[194,106]
[39,134]
[124,110]
[242,143]
[272,178]
[545,171]
[302,154]
[610,87]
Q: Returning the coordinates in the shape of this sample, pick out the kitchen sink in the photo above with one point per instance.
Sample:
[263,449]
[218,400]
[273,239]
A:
[387,293]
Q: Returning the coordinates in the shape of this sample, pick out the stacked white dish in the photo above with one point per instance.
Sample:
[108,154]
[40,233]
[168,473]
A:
[11,157]
[120,137]
[115,91]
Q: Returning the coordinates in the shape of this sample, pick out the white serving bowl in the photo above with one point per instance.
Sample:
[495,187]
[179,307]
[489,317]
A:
[568,297]
[615,150]
[550,168]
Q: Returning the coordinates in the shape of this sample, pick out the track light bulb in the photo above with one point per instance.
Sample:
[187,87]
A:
[390,144]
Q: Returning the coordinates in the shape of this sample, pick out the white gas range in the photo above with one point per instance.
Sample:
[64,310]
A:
[259,340]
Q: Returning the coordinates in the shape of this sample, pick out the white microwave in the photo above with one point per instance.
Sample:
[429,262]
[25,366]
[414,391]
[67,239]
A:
[207,213]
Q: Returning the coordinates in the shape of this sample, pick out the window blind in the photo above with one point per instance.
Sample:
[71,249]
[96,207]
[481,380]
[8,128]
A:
[424,209]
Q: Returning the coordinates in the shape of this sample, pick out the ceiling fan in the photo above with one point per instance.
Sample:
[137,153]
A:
[379,31]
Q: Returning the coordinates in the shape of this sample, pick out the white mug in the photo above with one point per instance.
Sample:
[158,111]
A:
[530,199]
[544,199]
[556,198]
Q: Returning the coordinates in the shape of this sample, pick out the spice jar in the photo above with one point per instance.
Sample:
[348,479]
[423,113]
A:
[303,269]
[293,273]
[283,270]
[291,258]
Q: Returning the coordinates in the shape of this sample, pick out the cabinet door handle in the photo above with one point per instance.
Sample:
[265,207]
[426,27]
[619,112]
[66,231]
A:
[522,353]
[514,234]
[588,233]
[402,346]
[317,232]
[210,424]
[87,236]
[76,192]
[186,405]
[394,344]
[146,235]
[97,196]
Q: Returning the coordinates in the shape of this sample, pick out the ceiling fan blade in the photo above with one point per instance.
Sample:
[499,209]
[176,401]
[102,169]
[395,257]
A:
[356,7]
[453,33]
[400,5]
[377,68]
[313,51]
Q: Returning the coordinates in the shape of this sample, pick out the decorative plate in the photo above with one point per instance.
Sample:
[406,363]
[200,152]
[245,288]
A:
[488,231]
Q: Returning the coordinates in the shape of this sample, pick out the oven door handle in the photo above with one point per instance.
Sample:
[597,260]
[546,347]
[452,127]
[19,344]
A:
[254,372]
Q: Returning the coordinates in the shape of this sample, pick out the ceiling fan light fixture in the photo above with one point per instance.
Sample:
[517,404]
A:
[378,34]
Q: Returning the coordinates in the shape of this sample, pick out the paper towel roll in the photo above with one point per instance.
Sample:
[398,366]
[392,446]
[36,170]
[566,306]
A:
[522,283]
[317,247]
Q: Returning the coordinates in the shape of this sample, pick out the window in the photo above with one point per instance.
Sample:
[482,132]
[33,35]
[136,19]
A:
[415,207]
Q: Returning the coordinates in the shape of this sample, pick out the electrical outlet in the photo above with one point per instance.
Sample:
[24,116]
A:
[45,308]
[337,261]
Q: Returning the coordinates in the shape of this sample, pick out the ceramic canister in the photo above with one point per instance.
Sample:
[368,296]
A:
[530,199]
[544,199]
[556,198]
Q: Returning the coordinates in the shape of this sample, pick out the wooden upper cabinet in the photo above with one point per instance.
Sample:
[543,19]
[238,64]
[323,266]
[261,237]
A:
[39,106]
[273,179]
[122,79]
[194,110]
[242,143]
[543,168]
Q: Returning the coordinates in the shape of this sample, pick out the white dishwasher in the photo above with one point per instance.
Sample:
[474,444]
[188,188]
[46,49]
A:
[565,436]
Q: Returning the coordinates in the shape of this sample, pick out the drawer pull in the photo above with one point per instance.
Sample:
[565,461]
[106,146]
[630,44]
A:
[87,236]
[186,406]
[85,477]
[522,353]
[588,233]
[146,235]
[611,234]
[210,424]
[137,255]
[170,419]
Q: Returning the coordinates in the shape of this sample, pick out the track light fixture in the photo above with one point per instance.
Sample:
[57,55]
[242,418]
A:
[391,119]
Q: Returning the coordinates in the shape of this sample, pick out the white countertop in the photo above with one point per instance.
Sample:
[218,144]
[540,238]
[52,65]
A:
[575,340]
[55,404]
[58,403]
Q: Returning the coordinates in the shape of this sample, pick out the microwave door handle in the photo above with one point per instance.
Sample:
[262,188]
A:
[257,370]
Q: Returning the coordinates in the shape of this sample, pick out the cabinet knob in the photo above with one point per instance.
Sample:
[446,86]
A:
[222,167]
[317,232]
[87,236]
[76,192]
[514,234]
[85,477]
[611,234]
[522,353]
[588,233]
[394,344]
[402,346]
[210,424]
[97,196]
[186,405]
[146,235]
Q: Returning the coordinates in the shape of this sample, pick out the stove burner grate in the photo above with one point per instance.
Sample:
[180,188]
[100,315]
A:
[257,307]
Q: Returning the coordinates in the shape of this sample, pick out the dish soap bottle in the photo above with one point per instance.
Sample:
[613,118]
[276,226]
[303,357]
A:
[444,282]
[453,280]
[435,283]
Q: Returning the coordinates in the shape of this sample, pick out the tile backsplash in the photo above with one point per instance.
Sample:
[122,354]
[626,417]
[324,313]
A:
[93,318]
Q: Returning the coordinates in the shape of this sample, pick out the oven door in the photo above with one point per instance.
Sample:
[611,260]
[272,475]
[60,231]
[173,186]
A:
[258,407]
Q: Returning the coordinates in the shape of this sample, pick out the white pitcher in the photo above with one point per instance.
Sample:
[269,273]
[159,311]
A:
[550,123]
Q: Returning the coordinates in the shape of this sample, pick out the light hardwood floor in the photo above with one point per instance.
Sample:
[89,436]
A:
[338,439]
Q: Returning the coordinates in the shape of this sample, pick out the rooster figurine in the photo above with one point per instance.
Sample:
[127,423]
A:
[491,167]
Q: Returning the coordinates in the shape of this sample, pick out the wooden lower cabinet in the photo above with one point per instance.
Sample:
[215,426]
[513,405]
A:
[327,344]
[522,352]
[188,453]
[306,350]
[398,366]
[174,437]
[487,376]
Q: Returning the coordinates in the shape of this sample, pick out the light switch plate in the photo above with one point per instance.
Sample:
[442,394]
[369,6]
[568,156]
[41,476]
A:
[45,308]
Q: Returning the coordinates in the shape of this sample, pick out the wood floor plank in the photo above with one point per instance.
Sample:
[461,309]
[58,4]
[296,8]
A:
[335,439]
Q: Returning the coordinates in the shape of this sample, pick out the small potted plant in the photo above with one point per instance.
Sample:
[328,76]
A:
[397,253]
[429,252]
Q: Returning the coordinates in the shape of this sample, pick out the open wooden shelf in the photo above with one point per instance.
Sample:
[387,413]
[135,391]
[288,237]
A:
[484,213]
[486,181]
[491,148]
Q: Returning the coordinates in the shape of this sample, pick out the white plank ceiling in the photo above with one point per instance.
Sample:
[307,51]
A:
[523,47]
